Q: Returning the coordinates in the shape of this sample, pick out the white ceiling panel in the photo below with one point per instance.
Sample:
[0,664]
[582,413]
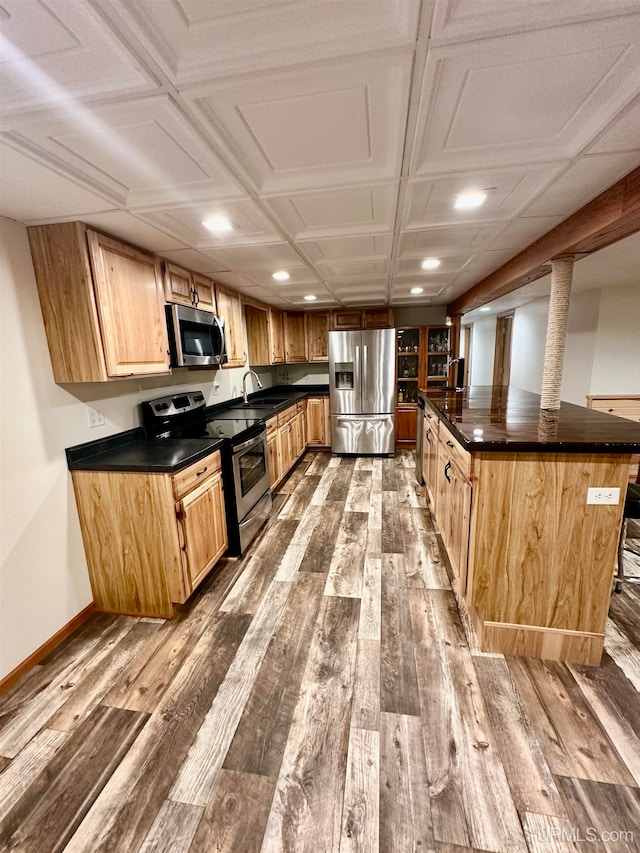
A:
[357,210]
[499,101]
[466,20]
[55,51]
[249,224]
[257,34]
[336,270]
[621,135]
[141,151]
[334,135]
[343,248]
[431,202]
[582,181]
[312,127]
[436,242]
[29,192]
[264,258]
[193,260]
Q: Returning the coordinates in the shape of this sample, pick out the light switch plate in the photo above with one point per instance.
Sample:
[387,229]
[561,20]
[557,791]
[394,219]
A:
[603,496]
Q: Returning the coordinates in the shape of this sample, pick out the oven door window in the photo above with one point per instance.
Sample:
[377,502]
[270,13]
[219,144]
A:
[199,339]
[252,468]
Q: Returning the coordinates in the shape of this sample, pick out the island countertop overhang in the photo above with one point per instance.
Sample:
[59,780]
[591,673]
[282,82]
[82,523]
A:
[499,419]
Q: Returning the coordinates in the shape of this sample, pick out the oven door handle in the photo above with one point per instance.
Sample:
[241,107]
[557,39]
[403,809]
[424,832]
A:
[252,442]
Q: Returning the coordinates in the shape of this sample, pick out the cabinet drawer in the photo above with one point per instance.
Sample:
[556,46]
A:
[272,424]
[286,416]
[300,406]
[455,451]
[195,474]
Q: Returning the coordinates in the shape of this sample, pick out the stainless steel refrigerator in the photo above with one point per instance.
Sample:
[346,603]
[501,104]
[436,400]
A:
[361,382]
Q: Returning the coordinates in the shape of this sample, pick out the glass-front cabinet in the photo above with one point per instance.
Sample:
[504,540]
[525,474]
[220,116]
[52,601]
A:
[422,361]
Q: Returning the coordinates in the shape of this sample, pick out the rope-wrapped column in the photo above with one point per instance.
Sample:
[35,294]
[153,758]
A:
[561,278]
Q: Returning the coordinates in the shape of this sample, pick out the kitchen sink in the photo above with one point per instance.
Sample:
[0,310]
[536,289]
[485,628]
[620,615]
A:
[265,404]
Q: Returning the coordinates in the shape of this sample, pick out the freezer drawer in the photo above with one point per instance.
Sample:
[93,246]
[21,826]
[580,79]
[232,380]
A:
[362,434]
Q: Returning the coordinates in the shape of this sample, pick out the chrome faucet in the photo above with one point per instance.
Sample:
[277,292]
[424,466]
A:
[245,398]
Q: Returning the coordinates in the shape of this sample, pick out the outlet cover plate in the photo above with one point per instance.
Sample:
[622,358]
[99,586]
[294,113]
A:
[603,496]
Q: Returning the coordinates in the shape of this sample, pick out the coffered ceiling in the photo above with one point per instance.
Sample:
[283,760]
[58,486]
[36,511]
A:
[333,134]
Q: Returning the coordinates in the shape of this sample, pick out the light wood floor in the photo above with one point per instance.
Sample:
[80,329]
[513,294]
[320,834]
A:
[321,695]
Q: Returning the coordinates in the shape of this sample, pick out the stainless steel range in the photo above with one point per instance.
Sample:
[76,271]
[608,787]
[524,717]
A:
[245,471]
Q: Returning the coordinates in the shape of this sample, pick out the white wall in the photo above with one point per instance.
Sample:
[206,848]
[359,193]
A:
[602,352]
[616,362]
[483,342]
[43,575]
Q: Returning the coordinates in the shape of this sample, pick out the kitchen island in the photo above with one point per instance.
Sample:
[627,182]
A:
[533,562]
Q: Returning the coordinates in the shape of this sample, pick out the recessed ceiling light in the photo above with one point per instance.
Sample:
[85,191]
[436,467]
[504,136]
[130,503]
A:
[430,263]
[218,224]
[485,308]
[469,200]
[417,289]
[281,275]
[311,298]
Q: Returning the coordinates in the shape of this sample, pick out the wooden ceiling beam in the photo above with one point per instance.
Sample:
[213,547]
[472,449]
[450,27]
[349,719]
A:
[609,217]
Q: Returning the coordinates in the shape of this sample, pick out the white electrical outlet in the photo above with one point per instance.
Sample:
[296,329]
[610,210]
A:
[603,496]
[96,418]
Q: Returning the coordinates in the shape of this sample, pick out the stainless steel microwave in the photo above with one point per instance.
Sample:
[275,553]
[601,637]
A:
[196,337]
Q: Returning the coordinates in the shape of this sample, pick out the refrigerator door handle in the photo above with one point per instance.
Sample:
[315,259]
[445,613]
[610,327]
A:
[364,375]
[358,379]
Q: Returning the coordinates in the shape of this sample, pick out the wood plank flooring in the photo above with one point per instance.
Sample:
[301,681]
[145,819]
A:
[320,694]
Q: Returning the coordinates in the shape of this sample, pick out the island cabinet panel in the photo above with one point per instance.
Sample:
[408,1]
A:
[102,304]
[541,558]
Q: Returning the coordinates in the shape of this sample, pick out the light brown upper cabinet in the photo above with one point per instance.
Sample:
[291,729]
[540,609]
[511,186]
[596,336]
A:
[102,303]
[276,336]
[295,337]
[343,319]
[188,288]
[257,323]
[230,308]
[318,335]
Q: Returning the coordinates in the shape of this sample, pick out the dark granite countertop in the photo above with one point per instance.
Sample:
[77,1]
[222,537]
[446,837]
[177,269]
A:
[131,451]
[486,418]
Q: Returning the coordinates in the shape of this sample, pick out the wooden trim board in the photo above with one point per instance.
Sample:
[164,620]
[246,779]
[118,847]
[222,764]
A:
[28,663]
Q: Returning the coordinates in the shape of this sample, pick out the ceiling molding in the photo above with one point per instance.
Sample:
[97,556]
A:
[609,217]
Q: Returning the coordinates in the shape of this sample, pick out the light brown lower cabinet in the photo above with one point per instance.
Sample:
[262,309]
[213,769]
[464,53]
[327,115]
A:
[453,510]
[150,538]
[318,422]
[286,441]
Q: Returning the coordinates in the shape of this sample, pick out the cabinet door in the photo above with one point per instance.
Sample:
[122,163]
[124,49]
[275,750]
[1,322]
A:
[430,469]
[203,527]
[316,435]
[273,458]
[443,492]
[295,337]
[302,432]
[284,449]
[230,308]
[318,336]
[344,319]
[257,323]
[377,318]
[406,424]
[178,284]
[459,513]
[276,336]
[128,287]
[205,293]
